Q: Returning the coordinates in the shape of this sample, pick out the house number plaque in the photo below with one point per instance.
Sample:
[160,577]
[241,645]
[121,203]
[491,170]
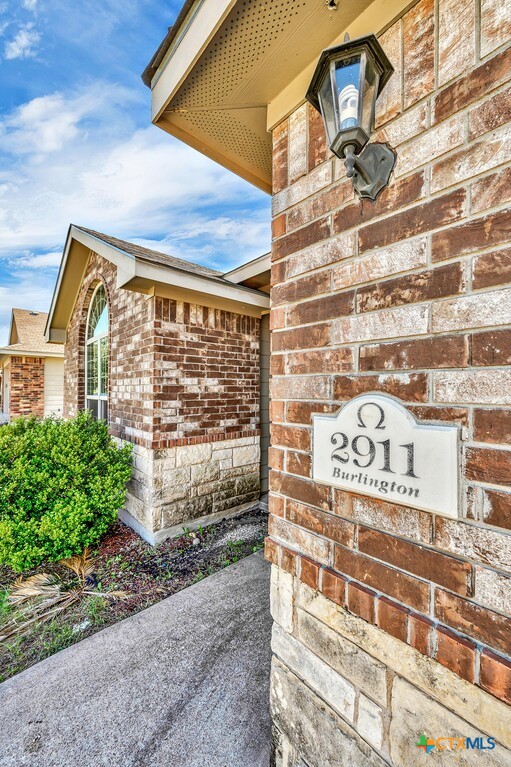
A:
[374,446]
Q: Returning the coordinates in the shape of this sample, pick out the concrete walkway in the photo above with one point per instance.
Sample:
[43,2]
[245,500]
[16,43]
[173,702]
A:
[182,684]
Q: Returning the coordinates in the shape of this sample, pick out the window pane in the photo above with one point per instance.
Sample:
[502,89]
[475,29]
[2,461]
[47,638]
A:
[92,369]
[103,347]
[327,108]
[98,315]
[92,405]
[371,85]
[103,410]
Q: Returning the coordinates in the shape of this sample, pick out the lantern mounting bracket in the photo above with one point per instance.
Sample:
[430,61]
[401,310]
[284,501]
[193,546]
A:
[371,169]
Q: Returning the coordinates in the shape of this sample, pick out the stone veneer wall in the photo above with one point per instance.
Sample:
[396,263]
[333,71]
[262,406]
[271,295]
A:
[184,389]
[26,383]
[389,621]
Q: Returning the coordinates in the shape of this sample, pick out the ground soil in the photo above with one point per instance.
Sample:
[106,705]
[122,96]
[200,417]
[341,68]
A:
[124,561]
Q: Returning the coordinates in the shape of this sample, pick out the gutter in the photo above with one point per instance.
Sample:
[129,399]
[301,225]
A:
[152,67]
[7,351]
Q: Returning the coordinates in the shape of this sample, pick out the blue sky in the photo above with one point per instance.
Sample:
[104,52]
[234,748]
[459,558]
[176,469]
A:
[77,146]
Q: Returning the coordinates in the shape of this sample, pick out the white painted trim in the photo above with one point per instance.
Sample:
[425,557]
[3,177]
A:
[250,270]
[168,79]
[53,387]
[9,352]
[94,341]
[199,284]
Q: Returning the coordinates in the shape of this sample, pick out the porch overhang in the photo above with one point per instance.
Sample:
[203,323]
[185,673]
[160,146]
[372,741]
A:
[230,70]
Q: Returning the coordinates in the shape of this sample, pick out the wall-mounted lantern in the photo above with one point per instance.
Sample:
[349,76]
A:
[347,81]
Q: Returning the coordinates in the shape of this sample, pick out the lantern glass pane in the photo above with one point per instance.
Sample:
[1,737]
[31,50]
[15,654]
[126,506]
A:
[370,89]
[347,79]
[326,102]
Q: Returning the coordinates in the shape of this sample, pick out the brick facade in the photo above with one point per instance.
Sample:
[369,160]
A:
[26,381]
[181,376]
[408,296]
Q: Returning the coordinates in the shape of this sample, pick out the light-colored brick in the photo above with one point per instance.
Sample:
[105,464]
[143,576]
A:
[205,472]
[401,257]
[388,323]
[389,103]
[405,127]
[456,38]
[467,540]
[318,549]
[281,598]
[297,157]
[360,668]
[333,688]
[493,150]
[414,712]
[309,387]
[480,310]
[493,589]
[370,721]
[485,387]
[495,25]
[464,699]
[410,523]
[245,455]
[316,732]
[321,254]
[304,187]
[431,144]
[188,455]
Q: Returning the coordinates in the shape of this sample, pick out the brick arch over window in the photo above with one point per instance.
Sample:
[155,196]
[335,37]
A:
[74,379]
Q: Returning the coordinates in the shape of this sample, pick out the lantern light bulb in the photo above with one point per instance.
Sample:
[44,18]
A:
[348,107]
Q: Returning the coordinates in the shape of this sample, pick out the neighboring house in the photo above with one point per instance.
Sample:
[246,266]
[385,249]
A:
[32,369]
[175,357]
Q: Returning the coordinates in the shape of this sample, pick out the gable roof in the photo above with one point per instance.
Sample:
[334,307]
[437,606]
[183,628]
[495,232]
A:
[149,271]
[26,335]
[153,256]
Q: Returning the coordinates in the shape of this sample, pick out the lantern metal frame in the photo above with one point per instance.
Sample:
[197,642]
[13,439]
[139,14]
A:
[369,165]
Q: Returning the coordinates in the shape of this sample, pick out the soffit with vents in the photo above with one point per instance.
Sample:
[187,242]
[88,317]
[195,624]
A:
[236,63]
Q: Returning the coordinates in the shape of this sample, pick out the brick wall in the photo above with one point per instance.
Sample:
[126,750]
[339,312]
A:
[26,387]
[180,375]
[408,296]
[206,369]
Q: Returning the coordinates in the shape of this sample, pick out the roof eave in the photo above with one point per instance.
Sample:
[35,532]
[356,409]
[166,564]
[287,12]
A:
[249,270]
[161,51]
[7,351]
[133,271]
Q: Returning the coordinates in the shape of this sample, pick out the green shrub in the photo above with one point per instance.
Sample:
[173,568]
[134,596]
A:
[61,485]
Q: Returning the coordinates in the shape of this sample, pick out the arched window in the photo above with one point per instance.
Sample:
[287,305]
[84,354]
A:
[96,355]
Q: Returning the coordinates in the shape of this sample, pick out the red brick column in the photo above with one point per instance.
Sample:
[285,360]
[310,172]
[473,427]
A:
[408,296]
[26,387]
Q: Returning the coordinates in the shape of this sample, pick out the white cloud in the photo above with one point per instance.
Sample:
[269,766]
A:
[47,123]
[23,45]
[30,5]
[69,166]
[80,159]
[37,260]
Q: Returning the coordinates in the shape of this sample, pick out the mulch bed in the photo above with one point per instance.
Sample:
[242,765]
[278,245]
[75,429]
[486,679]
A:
[124,561]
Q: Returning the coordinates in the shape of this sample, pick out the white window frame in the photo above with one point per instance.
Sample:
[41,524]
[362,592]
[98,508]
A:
[89,343]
